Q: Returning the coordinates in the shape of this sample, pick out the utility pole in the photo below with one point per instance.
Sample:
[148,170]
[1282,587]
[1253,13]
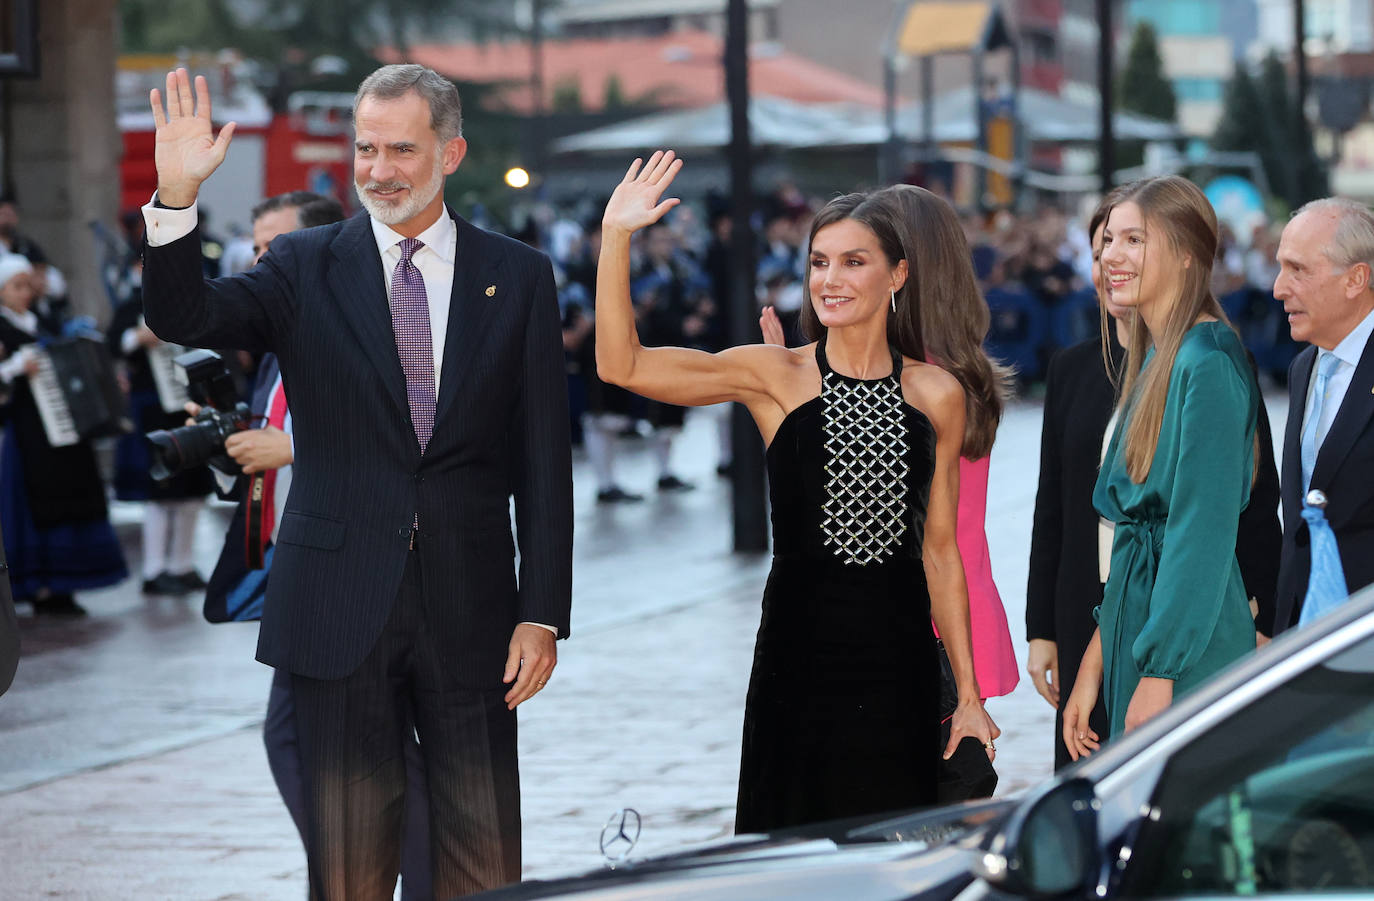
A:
[537,130]
[749,504]
[1300,66]
[1106,138]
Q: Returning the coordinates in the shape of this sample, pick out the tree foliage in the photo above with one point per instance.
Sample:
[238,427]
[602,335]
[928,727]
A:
[614,97]
[331,45]
[299,31]
[567,95]
[1258,115]
[1142,86]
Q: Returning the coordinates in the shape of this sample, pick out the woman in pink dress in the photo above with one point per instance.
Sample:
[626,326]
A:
[954,341]
[953,338]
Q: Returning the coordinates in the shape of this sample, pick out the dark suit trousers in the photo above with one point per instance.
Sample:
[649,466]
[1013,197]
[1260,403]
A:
[284,758]
[353,733]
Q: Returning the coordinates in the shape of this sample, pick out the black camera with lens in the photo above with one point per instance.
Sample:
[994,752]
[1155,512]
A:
[209,384]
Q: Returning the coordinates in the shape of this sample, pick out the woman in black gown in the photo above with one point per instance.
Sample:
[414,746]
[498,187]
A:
[863,447]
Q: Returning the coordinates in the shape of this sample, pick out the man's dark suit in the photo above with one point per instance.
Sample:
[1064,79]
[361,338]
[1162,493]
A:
[9,627]
[318,300]
[1063,585]
[1345,462]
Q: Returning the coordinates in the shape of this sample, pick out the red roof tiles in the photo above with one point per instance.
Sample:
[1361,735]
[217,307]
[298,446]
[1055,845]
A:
[682,69]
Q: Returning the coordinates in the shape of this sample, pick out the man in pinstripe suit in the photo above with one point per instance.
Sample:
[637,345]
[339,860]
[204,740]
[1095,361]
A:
[423,362]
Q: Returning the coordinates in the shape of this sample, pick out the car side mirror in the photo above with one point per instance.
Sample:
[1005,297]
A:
[1048,847]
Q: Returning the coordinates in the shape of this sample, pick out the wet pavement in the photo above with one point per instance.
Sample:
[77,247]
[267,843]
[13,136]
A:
[131,761]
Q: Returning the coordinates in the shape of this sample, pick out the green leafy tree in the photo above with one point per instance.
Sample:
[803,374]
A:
[293,32]
[289,39]
[1141,86]
[1258,115]
[567,95]
[1292,151]
[1243,124]
[614,98]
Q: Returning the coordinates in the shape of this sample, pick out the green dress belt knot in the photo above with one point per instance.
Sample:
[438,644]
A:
[1136,549]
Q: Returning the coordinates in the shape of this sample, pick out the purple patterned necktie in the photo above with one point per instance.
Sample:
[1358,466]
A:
[410,322]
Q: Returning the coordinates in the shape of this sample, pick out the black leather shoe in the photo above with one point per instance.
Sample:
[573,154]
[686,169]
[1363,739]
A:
[63,605]
[617,495]
[164,583]
[673,483]
[190,581]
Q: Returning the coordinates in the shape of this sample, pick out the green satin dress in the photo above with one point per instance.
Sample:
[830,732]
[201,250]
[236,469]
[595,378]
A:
[1175,605]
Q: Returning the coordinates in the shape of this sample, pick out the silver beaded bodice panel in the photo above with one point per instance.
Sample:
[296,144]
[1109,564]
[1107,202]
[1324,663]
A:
[864,516]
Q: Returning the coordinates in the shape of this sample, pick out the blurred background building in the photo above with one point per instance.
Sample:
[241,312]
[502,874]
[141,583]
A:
[565,91]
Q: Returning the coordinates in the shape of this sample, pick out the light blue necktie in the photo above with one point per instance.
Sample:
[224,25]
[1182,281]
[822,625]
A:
[1326,366]
[1326,587]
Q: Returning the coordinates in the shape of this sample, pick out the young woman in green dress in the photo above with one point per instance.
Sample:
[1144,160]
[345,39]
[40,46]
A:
[1177,473]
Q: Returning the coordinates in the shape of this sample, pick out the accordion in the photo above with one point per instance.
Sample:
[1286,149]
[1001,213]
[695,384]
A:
[170,382]
[77,393]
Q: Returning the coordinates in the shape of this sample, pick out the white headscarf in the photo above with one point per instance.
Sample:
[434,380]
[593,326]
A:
[11,265]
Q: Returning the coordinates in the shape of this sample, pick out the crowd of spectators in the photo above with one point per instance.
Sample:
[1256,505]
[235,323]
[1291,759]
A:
[1034,269]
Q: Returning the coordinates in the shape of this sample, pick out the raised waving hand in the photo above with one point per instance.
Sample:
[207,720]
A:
[186,150]
[635,202]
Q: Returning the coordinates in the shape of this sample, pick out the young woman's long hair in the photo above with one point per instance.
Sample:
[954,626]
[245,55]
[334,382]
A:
[882,218]
[1177,211]
[953,312]
[1105,320]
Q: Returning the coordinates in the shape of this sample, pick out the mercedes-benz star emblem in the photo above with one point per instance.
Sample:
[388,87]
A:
[619,835]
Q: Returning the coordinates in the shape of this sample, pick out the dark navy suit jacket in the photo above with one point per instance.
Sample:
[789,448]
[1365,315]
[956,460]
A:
[9,627]
[1344,470]
[318,301]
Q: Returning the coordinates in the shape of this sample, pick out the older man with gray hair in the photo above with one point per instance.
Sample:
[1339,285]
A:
[423,360]
[1326,258]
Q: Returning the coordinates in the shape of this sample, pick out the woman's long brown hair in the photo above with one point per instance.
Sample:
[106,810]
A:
[1104,316]
[954,314]
[1176,211]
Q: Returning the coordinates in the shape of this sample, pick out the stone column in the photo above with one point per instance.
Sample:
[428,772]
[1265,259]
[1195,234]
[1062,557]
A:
[65,144]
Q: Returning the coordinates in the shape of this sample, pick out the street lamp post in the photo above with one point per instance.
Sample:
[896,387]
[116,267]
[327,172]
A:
[748,502]
[1300,64]
[1106,140]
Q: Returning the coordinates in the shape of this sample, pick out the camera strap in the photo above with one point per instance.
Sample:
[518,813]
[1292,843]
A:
[261,500]
[258,522]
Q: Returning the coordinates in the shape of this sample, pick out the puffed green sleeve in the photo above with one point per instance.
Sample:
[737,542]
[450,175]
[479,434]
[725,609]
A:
[1215,440]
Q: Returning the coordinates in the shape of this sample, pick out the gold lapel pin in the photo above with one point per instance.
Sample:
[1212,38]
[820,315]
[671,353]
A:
[491,290]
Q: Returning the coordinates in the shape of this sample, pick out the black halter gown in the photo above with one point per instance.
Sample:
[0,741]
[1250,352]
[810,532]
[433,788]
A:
[842,713]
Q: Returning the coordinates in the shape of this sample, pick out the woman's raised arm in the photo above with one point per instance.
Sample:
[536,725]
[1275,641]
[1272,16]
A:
[675,375]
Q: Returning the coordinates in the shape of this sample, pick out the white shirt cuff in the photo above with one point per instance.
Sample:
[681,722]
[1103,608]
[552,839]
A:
[225,482]
[128,342]
[13,367]
[163,226]
[543,626]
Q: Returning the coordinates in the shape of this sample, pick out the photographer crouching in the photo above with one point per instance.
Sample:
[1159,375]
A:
[249,448]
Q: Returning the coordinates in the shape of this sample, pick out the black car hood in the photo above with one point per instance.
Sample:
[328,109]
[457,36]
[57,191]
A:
[924,854]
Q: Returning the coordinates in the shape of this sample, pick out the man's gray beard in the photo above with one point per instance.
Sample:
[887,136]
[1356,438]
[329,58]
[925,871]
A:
[417,198]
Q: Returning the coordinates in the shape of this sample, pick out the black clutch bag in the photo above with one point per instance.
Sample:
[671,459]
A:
[968,775]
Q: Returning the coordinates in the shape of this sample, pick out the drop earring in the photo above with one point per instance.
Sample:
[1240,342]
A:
[893,294]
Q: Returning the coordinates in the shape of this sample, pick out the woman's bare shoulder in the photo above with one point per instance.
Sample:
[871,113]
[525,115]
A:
[933,391]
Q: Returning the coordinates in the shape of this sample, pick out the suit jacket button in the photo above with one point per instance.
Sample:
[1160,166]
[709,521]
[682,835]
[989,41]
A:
[404,532]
